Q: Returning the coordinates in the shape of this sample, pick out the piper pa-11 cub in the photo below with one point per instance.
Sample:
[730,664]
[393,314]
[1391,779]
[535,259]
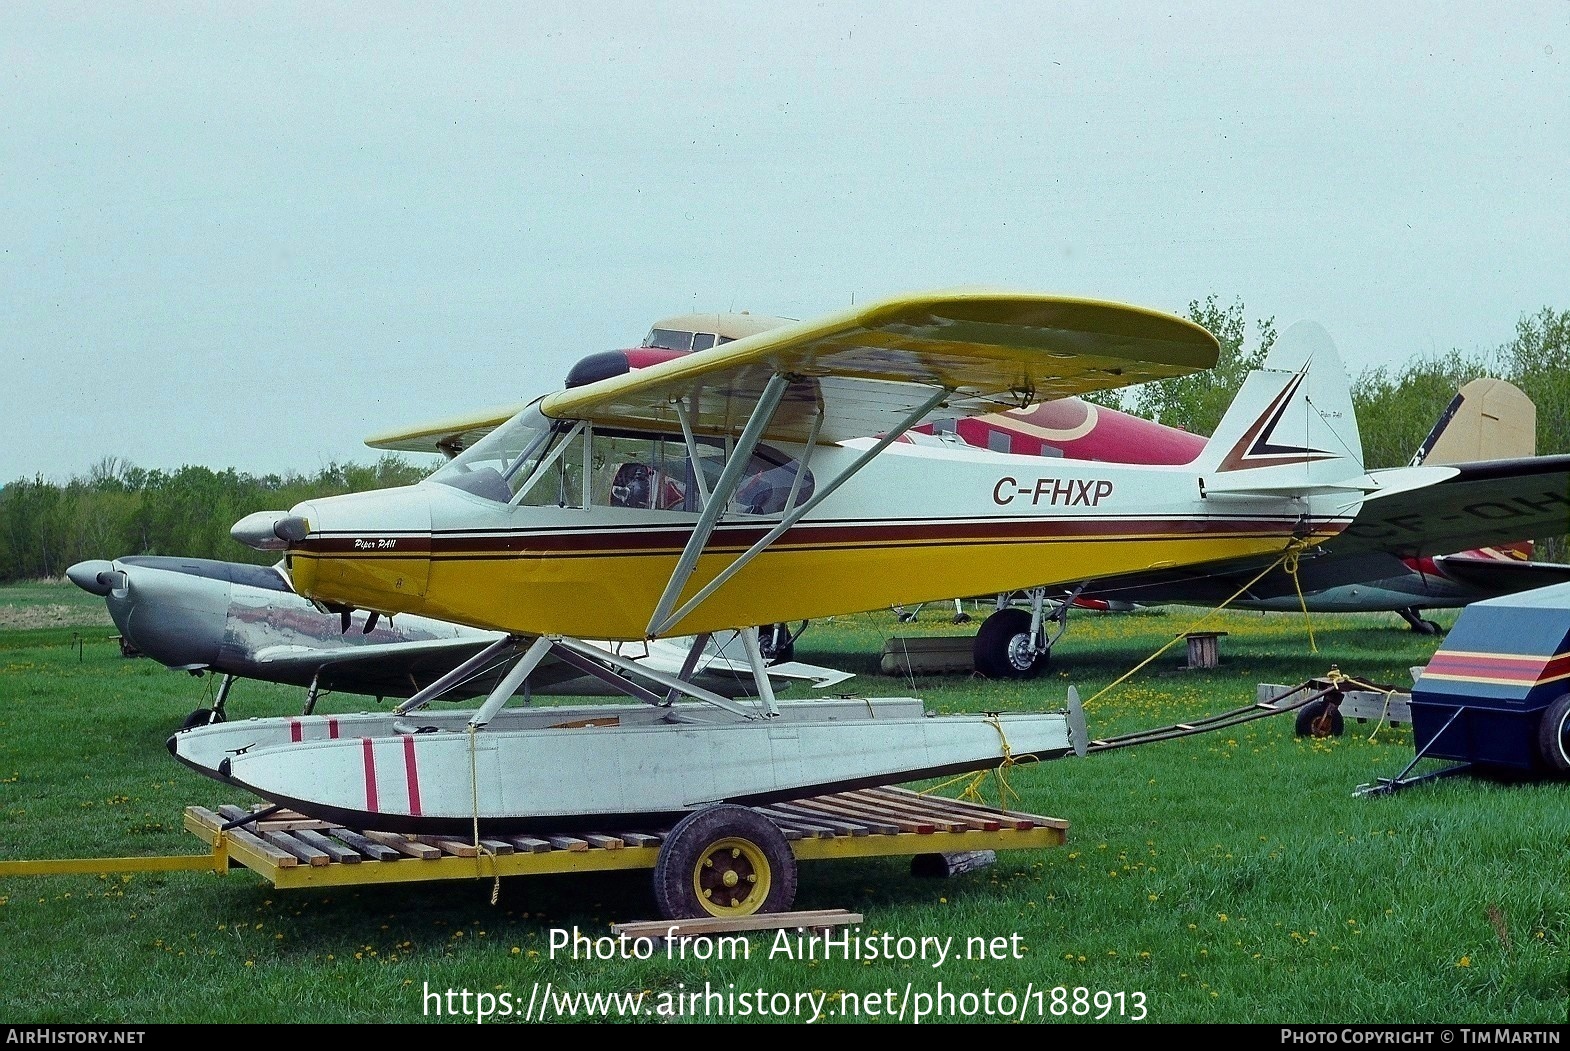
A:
[761,482]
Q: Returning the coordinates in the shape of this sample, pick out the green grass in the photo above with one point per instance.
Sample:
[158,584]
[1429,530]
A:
[1228,877]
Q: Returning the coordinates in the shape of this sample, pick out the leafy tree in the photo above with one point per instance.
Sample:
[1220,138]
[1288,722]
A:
[1197,402]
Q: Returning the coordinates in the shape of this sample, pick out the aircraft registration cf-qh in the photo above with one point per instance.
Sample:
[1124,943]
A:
[757,482]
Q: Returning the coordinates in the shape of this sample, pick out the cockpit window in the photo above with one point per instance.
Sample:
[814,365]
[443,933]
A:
[668,339]
[496,465]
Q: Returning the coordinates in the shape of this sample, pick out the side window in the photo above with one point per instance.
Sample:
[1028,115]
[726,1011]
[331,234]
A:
[766,487]
[641,472]
[655,473]
[702,340]
[560,484]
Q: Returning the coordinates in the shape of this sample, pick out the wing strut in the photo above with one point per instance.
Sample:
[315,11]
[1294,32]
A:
[660,622]
[729,478]
[457,675]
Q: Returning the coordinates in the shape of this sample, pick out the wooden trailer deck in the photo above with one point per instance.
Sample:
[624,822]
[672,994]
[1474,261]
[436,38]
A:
[294,851]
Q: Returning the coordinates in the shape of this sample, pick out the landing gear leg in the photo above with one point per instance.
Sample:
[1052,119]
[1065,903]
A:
[1413,616]
[215,714]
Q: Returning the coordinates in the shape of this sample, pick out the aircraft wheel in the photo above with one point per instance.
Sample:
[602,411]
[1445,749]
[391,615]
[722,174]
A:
[724,860]
[1322,718]
[202,717]
[1553,736]
[1002,648]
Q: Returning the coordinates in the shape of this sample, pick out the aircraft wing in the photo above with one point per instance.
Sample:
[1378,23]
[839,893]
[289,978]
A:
[448,437]
[397,669]
[868,368]
[1479,504]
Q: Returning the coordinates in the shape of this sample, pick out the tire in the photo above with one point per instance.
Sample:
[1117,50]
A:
[1321,718]
[202,717]
[1553,736]
[726,861]
[1002,647]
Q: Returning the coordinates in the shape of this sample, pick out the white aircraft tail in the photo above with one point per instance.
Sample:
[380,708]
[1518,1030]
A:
[1291,430]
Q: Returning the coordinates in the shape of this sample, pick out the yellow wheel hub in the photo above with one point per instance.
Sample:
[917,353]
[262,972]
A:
[732,877]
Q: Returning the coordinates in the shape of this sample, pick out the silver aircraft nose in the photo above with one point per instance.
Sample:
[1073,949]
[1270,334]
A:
[96,576]
[177,619]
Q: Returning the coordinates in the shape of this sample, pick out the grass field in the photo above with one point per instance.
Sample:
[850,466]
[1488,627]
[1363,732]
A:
[1226,878]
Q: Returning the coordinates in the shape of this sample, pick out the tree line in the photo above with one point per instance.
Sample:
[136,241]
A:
[119,509]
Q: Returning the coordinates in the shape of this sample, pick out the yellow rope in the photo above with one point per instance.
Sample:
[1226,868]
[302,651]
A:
[1290,565]
[1291,552]
[1382,713]
[972,790]
[480,850]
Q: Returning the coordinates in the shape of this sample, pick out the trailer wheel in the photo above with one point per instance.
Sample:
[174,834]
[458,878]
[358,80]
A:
[1002,649]
[727,861]
[1553,736]
[1321,718]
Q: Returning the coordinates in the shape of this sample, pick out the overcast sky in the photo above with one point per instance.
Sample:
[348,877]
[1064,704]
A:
[249,235]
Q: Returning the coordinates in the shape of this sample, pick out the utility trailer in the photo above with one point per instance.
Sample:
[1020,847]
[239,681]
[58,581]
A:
[1495,698]
[722,860]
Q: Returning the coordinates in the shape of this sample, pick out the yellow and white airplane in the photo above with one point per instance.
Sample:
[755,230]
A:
[756,482]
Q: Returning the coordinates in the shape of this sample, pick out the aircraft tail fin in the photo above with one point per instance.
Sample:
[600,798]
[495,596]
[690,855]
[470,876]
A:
[1488,419]
[1291,429]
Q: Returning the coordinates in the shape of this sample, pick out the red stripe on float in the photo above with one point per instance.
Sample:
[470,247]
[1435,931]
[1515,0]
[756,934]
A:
[370,775]
[412,774]
[295,733]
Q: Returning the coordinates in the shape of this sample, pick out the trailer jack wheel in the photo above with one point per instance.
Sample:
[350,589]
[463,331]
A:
[726,861]
[1553,736]
[1322,718]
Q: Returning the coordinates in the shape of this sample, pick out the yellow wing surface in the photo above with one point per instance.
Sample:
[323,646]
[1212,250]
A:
[867,368]
[449,436]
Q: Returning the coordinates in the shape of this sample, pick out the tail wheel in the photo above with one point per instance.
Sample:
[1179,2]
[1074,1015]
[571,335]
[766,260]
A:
[1322,718]
[1003,649]
[1553,736]
[726,861]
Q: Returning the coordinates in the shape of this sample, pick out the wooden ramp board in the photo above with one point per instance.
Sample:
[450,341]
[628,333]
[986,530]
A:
[294,850]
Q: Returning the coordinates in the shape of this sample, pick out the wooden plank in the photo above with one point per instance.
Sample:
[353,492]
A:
[529,845]
[792,823]
[404,845]
[768,921]
[282,858]
[984,814]
[897,794]
[567,843]
[641,839]
[331,847]
[499,847]
[604,842]
[304,851]
[837,822]
[875,822]
[368,847]
[909,818]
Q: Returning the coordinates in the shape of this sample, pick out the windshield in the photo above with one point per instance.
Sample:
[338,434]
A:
[496,465]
